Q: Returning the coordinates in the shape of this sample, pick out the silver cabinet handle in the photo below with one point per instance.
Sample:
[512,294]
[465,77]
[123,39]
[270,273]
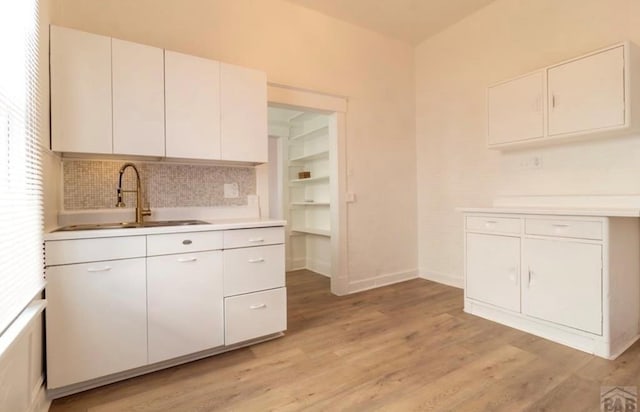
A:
[102,269]
[560,225]
[189,259]
[490,222]
[530,278]
[256,240]
[258,260]
[260,306]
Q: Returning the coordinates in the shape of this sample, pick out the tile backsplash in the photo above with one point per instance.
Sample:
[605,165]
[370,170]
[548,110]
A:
[91,184]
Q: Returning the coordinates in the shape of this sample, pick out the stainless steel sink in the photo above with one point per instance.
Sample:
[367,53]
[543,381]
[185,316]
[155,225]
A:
[129,225]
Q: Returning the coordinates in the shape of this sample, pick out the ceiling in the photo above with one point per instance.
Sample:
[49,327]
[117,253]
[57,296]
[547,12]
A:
[411,21]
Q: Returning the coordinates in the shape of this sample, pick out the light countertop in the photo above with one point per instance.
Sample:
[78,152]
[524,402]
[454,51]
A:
[219,224]
[605,212]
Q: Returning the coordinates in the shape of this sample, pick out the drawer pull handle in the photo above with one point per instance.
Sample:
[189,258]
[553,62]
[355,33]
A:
[260,306]
[256,240]
[559,225]
[491,222]
[258,260]
[102,269]
[190,259]
[187,242]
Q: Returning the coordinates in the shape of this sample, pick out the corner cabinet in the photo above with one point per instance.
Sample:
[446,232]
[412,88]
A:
[589,96]
[126,305]
[574,280]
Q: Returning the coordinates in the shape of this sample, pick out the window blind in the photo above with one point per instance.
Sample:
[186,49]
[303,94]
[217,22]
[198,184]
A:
[21,221]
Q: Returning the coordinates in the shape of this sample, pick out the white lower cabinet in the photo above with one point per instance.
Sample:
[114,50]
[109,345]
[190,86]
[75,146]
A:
[574,280]
[117,306]
[564,283]
[493,270]
[184,297]
[96,320]
[254,315]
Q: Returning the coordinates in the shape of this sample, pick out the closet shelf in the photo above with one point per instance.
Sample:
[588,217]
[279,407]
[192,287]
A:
[310,179]
[312,231]
[319,131]
[317,155]
[310,203]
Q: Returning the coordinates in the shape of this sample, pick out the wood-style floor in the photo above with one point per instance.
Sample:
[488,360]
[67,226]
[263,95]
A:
[403,347]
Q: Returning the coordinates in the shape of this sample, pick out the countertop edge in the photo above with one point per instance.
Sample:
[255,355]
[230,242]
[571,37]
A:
[213,225]
[607,212]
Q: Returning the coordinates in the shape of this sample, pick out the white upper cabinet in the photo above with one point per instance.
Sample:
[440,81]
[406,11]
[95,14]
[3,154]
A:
[138,99]
[589,96]
[243,114]
[192,88]
[80,92]
[516,109]
[587,93]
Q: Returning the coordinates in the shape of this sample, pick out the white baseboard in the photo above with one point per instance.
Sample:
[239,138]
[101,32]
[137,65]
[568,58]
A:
[448,280]
[381,280]
[296,264]
[319,266]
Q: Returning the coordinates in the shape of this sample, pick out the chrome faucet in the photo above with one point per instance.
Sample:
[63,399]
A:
[140,211]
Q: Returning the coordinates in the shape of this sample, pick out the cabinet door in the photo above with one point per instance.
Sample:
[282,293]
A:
[80,92]
[96,320]
[243,114]
[493,270]
[563,283]
[192,106]
[515,110]
[588,93]
[138,99]
[185,304]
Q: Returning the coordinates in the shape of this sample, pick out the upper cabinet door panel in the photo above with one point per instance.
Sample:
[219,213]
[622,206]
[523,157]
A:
[192,90]
[588,93]
[515,109]
[244,114]
[138,99]
[80,92]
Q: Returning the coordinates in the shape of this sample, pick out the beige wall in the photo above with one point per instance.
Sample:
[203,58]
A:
[303,48]
[505,39]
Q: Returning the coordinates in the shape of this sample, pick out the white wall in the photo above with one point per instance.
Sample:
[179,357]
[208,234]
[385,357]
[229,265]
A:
[503,40]
[302,48]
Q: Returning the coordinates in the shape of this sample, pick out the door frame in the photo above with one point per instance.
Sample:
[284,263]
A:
[336,107]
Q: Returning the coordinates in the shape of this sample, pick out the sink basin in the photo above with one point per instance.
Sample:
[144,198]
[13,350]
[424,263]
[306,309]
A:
[129,225]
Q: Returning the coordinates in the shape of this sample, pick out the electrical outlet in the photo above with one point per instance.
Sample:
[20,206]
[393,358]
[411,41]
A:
[531,162]
[231,190]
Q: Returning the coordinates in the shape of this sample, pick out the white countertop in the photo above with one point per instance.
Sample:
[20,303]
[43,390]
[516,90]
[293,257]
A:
[219,224]
[606,212]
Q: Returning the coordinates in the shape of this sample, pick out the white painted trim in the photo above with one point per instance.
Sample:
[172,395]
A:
[321,267]
[449,280]
[336,107]
[301,98]
[381,280]
[20,326]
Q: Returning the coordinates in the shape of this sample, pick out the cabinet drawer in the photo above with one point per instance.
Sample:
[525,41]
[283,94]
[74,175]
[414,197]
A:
[62,252]
[183,242]
[253,268]
[493,224]
[253,237]
[578,229]
[254,315]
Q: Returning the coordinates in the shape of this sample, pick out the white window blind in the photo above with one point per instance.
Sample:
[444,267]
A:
[21,263]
